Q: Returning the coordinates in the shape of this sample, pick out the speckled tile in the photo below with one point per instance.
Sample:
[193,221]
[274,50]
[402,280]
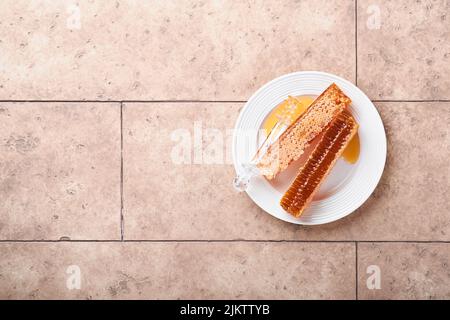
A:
[403,49]
[407,270]
[167,200]
[164,200]
[143,50]
[178,270]
[59,171]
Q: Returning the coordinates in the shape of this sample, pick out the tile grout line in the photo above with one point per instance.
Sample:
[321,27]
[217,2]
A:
[121,173]
[356,83]
[412,100]
[356,42]
[229,241]
[356,270]
[193,101]
[123,101]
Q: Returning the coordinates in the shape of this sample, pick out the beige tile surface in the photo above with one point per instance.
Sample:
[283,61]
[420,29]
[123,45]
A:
[60,162]
[408,56]
[59,171]
[178,270]
[164,200]
[127,50]
[408,271]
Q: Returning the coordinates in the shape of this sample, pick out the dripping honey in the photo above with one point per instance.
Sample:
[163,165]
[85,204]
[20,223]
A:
[351,152]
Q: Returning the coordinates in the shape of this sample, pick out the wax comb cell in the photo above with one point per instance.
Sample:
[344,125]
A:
[332,143]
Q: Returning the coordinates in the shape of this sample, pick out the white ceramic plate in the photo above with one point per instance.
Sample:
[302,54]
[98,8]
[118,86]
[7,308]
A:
[348,185]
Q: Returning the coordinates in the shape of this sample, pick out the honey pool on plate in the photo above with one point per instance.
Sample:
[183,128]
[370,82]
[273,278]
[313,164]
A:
[343,168]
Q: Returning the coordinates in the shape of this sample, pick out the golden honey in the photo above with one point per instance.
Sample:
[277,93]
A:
[302,103]
[351,152]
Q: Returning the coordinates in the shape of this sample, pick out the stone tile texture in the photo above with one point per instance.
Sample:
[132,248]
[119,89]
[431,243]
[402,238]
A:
[59,171]
[408,270]
[164,50]
[403,49]
[116,121]
[177,270]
